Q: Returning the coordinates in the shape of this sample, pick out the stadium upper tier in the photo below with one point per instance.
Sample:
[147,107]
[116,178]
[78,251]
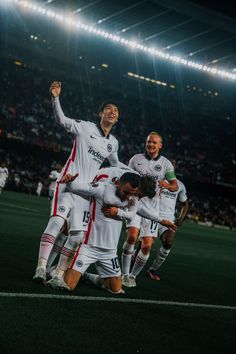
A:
[198,130]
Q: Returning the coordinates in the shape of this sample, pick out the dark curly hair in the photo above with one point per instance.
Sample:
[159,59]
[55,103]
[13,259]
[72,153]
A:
[148,186]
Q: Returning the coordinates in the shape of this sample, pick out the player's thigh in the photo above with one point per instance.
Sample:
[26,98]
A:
[148,228]
[79,215]
[61,204]
[109,269]
[84,256]
[166,236]
[132,229]
[147,242]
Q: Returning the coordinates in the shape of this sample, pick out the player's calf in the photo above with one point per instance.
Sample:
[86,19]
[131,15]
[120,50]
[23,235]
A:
[113,284]
[72,278]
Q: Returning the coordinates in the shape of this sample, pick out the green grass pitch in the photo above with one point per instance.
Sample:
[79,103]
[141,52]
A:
[200,269]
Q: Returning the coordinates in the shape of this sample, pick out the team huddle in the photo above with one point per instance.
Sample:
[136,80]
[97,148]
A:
[90,204]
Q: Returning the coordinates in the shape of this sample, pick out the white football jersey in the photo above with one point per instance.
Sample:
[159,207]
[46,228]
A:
[104,232]
[39,188]
[3,175]
[91,147]
[112,174]
[54,175]
[147,207]
[168,201]
[159,169]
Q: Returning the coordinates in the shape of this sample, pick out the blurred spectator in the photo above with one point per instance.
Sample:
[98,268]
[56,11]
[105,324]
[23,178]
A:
[199,134]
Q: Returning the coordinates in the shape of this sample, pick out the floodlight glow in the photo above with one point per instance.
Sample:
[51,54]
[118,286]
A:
[130,43]
[70,22]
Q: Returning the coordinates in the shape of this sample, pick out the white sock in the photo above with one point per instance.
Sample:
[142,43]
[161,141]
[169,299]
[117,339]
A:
[56,250]
[42,263]
[48,238]
[139,263]
[68,251]
[126,256]
[160,258]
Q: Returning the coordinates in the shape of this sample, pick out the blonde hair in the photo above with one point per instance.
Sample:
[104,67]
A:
[157,134]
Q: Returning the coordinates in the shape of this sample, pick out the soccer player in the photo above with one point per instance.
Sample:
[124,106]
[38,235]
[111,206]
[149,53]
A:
[54,175]
[145,207]
[93,143]
[62,237]
[168,201]
[101,240]
[3,176]
[39,188]
[161,169]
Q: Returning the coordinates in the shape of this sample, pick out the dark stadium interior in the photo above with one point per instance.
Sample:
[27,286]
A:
[192,308]
[194,112]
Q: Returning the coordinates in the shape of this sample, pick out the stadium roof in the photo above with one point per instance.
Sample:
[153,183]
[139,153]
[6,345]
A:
[202,31]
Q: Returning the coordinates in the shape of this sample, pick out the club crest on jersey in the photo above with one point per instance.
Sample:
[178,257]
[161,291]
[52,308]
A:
[79,263]
[158,168]
[109,147]
[62,209]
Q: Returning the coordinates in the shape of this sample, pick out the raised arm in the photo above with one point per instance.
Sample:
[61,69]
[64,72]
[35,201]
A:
[69,124]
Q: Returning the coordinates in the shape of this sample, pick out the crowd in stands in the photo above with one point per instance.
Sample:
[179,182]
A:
[212,210]
[201,141]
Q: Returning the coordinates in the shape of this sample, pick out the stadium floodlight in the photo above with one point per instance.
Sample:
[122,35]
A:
[74,23]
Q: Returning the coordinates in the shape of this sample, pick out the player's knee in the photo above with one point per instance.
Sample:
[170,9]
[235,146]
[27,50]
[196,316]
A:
[72,278]
[146,248]
[75,238]
[168,242]
[71,286]
[132,235]
[114,285]
[54,225]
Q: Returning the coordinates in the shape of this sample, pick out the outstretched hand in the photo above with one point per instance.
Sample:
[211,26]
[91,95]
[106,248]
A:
[68,178]
[55,88]
[169,224]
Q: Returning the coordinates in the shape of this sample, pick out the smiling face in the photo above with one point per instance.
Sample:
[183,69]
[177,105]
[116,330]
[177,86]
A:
[153,145]
[109,115]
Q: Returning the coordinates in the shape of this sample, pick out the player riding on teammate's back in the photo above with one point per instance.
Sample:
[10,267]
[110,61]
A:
[92,144]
